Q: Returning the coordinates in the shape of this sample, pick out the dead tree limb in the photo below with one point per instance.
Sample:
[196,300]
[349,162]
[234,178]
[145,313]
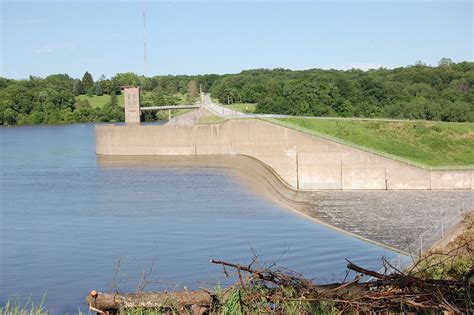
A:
[166,301]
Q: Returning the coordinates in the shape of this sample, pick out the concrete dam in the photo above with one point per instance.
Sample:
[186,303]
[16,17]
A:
[300,160]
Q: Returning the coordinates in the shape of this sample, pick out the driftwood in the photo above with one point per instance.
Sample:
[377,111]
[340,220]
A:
[387,293]
[396,292]
[190,302]
[295,281]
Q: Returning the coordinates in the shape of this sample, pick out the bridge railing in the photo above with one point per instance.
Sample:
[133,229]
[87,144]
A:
[165,107]
[366,149]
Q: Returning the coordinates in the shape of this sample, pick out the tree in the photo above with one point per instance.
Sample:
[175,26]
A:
[88,83]
[445,62]
[82,104]
[192,91]
[9,116]
[113,99]
[77,87]
[125,79]
[98,89]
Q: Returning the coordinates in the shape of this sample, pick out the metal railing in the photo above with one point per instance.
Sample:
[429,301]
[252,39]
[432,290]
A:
[364,148]
[424,242]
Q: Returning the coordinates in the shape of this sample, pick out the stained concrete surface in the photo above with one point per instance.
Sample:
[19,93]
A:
[404,219]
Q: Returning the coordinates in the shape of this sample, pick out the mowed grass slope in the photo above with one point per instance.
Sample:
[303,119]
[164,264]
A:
[100,101]
[430,143]
[242,107]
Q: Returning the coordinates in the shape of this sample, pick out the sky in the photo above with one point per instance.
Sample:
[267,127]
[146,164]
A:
[197,37]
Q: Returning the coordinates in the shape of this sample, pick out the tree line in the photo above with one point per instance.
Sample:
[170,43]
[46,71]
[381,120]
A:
[54,100]
[444,92]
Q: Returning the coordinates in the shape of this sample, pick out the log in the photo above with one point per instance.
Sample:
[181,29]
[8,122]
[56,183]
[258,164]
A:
[190,301]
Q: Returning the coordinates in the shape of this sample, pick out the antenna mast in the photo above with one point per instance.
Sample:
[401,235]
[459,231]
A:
[144,39]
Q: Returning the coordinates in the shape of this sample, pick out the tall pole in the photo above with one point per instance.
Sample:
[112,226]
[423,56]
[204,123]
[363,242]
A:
[144,40]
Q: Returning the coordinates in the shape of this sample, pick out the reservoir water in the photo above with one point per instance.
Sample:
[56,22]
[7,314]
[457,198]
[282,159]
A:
[67,218]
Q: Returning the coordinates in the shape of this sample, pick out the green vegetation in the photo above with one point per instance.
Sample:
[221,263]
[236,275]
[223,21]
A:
[445,93]
[247,108]
[17,307]
[99,101]
[61,99]
[253,300]
[163,114]
[430,143]
[458,247]
[212,119]
[442,93]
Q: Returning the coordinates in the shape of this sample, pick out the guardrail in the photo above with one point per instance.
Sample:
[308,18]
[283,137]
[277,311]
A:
[366,149]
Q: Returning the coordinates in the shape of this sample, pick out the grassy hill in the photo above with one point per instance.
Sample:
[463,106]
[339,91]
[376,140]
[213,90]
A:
[100,101]
[242,107]
[430,143]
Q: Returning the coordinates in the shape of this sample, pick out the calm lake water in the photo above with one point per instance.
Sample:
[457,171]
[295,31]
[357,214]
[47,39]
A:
[67,219]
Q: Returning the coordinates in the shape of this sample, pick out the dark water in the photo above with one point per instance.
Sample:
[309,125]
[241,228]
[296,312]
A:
[66,220]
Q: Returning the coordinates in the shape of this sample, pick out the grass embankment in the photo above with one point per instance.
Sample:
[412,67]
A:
[100,101]
[452,257]
[247,108]
[183,99]
[429,143]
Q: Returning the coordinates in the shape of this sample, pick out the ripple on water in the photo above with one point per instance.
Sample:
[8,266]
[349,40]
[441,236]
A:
[67,217]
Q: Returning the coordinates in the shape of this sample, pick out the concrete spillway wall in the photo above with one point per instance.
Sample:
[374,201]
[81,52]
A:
[302,161]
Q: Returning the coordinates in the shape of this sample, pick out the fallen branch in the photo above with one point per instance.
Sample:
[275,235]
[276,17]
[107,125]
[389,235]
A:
[191,301]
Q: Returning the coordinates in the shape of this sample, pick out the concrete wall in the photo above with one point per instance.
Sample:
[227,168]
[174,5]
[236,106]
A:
[300,160]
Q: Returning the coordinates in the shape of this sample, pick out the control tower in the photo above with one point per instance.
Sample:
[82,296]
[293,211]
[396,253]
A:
[132,104]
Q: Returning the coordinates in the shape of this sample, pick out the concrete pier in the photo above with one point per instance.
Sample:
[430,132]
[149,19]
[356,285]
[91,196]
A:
[300,160]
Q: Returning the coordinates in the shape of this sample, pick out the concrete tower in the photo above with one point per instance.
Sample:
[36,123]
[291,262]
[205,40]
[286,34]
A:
[132,104]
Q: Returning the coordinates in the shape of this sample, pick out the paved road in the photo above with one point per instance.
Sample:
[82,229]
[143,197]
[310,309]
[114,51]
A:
[190,118]
[225,112]
[220,110]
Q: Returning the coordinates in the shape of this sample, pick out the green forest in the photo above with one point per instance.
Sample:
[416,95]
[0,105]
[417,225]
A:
[445,92]
[442,93]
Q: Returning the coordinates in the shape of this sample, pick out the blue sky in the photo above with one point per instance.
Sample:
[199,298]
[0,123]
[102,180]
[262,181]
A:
[197,37]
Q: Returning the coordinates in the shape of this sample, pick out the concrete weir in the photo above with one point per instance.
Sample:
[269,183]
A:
[300,160]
